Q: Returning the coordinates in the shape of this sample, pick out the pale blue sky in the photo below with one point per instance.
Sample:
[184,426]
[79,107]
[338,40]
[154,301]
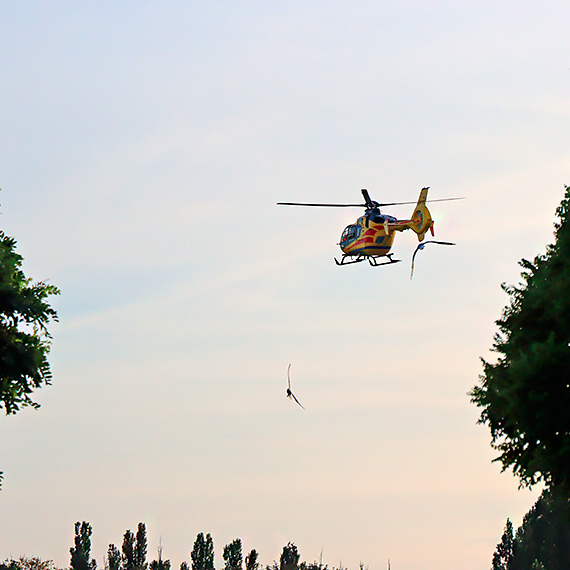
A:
[144,146]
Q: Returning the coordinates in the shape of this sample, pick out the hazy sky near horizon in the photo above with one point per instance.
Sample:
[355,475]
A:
[144,147]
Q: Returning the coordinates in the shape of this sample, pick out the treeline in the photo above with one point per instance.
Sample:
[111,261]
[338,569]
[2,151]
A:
[133,555]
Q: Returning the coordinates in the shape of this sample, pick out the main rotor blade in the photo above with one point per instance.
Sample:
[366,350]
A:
[384,204]
[415,202]
[322,205]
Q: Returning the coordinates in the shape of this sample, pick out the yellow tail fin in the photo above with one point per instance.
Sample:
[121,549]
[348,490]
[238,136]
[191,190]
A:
[421,218]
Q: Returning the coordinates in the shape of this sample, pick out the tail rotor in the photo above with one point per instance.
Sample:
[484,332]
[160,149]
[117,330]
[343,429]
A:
[421,220]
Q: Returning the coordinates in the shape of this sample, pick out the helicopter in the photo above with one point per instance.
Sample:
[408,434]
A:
[371,237]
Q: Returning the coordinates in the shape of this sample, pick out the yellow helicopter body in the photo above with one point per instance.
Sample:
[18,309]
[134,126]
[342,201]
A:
[373,234]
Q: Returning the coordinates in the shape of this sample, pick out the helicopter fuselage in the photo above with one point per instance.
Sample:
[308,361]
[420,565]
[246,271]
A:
[368,236]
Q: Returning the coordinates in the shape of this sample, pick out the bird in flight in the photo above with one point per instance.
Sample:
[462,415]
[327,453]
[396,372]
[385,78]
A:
[289,393]
[421,246]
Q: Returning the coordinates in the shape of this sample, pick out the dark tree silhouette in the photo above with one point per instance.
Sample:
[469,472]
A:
[81,552]
[28,563]
[140,548]
[289,559]
[251,560]
[544,535]
[233,557]
[503,556]
[128,550]
[203,552]
[525,395]
[113,557]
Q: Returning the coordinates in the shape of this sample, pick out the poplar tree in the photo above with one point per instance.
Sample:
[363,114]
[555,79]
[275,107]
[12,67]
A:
[113,557]
[198,552]
[128,550]
[140,548]
[251,560]
[209,553]
[289,559]
[232,555]
[202,554]
[81,551]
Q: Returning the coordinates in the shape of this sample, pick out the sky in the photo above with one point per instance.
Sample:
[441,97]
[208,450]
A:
[144,148]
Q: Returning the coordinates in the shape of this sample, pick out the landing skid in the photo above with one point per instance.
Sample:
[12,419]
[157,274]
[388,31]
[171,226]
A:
[372,259]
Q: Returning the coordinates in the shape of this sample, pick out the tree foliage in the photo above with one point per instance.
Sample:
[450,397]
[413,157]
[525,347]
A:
[525,395]
[81,552]
[232,555]
[24,338]
[128,551]
[289,559]
[27,563]
[113,558]
[502,559]
[541,542]
[133,551]
[251,560]
[203,552]
[141,547]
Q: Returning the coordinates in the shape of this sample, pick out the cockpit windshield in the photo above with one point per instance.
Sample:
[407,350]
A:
[350,233]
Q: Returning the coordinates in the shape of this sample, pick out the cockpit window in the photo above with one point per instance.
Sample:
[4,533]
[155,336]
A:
[350,233]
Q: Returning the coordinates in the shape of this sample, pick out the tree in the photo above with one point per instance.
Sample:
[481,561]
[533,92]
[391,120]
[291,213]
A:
[203,552]
[81,552]
[197,554]
[544,535]
[289,559]
[541,542]
[24,338]
[128,549]
[503,556]
[251,560]
[525,395]
[160,564]
[113,558]
[140,549]
[233,556]
[134,549]
[28,563]
[209,552]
